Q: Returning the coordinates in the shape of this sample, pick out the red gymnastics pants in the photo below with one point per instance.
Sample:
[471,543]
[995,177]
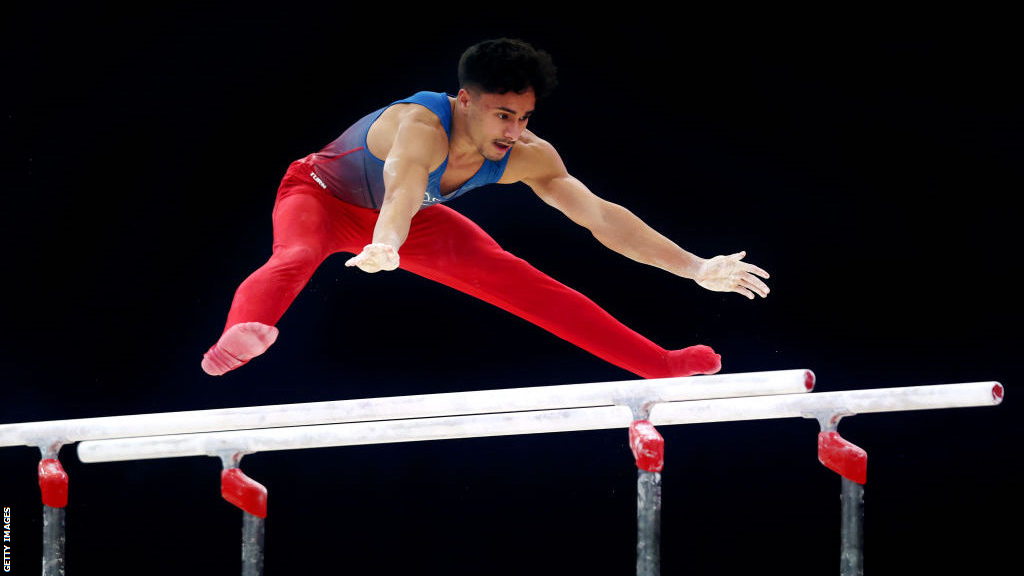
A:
[310,224]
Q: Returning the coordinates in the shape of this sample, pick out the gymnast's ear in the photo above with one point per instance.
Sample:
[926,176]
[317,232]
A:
[466,96]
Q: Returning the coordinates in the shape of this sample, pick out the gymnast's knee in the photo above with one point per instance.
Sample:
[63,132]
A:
[294,262]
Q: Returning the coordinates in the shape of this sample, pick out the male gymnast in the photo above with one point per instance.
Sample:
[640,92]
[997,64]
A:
[378,190]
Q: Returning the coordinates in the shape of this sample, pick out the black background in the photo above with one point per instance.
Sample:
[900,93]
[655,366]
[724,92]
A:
[870,165]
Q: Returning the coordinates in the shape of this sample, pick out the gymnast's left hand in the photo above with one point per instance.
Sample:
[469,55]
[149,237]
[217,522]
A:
[375,257]
[732,274]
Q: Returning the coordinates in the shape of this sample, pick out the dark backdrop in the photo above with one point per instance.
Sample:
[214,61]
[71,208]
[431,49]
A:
[870,168]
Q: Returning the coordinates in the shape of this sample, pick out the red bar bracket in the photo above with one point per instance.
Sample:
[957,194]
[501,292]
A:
[647,445]
[845,458]
[53,483]
[244,492]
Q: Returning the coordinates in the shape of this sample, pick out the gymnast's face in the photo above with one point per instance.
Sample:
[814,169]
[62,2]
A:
[496,121]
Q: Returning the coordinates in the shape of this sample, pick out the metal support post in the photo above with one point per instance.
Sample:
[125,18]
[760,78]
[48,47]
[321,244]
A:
[648,449]
[251,497]
[851,462]
[53,486]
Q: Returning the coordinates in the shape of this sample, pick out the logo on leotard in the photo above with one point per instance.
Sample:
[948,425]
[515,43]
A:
[318,180]
[429,200]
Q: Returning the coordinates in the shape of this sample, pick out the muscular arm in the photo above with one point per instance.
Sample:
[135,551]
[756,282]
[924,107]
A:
[622,231]
[615,226]
[406,170]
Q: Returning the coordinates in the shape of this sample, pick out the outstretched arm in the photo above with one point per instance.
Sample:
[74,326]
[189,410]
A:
[406,171]
[622,231]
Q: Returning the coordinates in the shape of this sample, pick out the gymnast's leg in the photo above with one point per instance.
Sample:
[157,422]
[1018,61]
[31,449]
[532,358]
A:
[308,227]
[447,247]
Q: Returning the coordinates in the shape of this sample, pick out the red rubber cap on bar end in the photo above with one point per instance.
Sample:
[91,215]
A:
[842,457]
[53,483]
[244,492]
[647,445]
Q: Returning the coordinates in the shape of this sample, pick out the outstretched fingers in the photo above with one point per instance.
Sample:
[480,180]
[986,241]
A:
[731,274]
[750,286]
[748,282]
[375,258]
[362,262]
[752,282]
[754,270]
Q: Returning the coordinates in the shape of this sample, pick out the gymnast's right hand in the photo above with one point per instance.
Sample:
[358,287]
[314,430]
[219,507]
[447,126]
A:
[375,257]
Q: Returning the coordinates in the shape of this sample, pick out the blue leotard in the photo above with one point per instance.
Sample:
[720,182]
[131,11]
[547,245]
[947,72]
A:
[348,170]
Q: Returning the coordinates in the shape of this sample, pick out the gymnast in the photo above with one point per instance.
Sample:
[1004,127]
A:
[378,191]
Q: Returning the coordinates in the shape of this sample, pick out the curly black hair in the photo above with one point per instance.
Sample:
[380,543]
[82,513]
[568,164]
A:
[503,65]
